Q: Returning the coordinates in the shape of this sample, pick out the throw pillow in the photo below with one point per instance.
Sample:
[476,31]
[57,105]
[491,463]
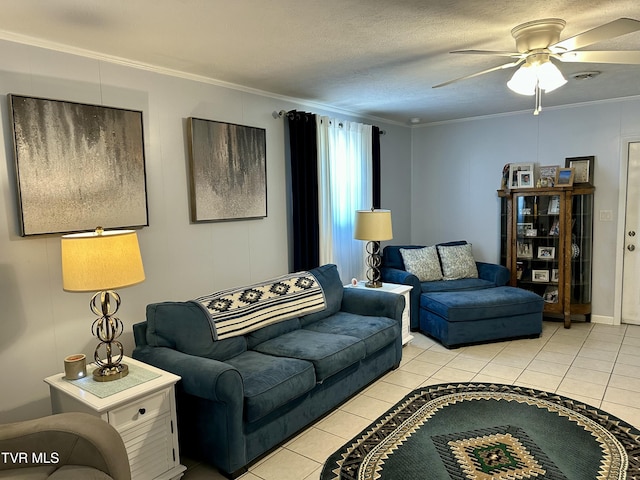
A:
[457,262]
[422,262]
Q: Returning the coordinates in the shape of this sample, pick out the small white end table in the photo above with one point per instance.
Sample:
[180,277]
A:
[399,290]
[144,413]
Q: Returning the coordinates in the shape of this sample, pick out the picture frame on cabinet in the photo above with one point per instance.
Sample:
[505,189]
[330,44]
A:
[550,294]
[540,276]
[546,253]
[522,228]
[554,205]
[514,169]
[547,175]
[583,168]
[554,275]
[524,249]
[564,177]
[525,179]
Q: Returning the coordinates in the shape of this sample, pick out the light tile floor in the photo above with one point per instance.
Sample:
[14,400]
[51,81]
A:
[598,364]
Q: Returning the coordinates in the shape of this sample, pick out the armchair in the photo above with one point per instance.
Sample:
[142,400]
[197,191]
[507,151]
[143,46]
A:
[67,446]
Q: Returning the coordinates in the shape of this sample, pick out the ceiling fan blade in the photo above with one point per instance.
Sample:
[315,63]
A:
[618,27]
[490,52]
[631,57]
[499,67]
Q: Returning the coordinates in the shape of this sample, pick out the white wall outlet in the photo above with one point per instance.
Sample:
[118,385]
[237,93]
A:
[606,215]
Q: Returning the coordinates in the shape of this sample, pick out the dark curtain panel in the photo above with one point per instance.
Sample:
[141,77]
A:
[303,145]
[376,167]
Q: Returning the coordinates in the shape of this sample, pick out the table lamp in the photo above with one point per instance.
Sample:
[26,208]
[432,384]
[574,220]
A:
[103,261]
[373,226]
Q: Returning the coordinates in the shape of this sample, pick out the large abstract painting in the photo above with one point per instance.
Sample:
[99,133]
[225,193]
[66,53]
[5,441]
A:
[78,166]
[228,171]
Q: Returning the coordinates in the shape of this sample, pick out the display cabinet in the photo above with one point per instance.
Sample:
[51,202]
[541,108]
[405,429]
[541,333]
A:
[546,242]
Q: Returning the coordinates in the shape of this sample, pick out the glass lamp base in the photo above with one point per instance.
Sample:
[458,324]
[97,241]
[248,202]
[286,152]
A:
[110,372]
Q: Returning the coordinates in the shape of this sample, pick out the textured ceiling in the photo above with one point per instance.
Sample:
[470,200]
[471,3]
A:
[370,57]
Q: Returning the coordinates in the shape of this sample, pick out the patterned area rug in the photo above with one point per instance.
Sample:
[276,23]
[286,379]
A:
[488,431]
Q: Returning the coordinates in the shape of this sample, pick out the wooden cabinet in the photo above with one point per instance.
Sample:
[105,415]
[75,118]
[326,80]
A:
[143,411]
[546,242]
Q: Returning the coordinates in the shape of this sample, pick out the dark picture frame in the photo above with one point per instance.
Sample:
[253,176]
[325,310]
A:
[78,166]
[228,171]
[583,168]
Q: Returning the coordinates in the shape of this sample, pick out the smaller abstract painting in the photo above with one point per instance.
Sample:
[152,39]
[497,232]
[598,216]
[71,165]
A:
[228,174]
[78,166]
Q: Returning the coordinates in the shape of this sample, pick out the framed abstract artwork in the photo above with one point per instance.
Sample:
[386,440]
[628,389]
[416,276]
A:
[78,166]
[228,171]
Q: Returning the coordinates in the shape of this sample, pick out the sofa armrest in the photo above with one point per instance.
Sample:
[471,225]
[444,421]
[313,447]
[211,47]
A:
[402,277]
[495,273]
[202,377]
[70,438]
[372,302]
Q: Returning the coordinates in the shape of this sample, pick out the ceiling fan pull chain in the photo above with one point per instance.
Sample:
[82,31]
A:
[538,100]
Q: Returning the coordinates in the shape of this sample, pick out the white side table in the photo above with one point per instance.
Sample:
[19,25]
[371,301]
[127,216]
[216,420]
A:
[144,414]
[406,314]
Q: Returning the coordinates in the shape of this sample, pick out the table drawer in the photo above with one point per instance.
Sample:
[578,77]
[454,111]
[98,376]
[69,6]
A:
[140,410]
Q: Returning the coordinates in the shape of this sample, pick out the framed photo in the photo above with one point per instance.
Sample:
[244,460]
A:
[540,275]
[523,228]
[554,205]
[525,179]
[546,253]
[583,168]
[532,232]
[524,249]
[514,168]
[564,177]
[550,294]
[228,171]
[78,166]
[554,275]
[548,175]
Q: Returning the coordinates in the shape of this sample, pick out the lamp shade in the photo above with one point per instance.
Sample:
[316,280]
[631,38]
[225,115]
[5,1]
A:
[373,225]
[101,261]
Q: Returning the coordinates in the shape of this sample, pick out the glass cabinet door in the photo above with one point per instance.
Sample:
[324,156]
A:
[581,245]
[538,246]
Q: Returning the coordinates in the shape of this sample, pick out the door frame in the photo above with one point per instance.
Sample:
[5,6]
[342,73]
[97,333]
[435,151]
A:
[621,220]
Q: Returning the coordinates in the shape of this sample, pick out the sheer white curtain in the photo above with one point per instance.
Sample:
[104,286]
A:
[345,177]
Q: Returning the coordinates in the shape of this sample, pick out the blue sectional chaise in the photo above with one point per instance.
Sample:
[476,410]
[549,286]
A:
[465,311]
[241,396]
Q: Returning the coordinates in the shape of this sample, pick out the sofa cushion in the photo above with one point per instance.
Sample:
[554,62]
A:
[456,285]
[185,327]
[422,262]
[392,258]
[457,262]
[480,304]
[328,352]
[332,286]
[270,382]
[271,331]
[376,332]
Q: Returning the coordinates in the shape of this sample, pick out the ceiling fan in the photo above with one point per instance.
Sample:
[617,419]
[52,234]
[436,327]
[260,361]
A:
[538,43]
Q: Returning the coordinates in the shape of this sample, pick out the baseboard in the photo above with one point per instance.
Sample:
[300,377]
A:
[603,319]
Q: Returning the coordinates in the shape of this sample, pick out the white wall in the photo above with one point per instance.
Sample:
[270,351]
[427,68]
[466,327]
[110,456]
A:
[457,168]
[40,324]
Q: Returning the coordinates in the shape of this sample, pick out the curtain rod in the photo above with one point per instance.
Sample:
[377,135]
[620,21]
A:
[290,115]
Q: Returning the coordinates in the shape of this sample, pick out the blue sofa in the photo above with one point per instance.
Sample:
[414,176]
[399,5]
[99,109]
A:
[241,396]
[466,310]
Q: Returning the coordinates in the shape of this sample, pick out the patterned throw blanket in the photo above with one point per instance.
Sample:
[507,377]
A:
[242,310]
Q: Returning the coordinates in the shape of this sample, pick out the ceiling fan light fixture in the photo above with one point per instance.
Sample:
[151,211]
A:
[549,77]
[524,80]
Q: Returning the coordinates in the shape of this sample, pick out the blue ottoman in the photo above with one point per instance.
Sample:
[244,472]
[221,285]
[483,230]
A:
[476,316]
